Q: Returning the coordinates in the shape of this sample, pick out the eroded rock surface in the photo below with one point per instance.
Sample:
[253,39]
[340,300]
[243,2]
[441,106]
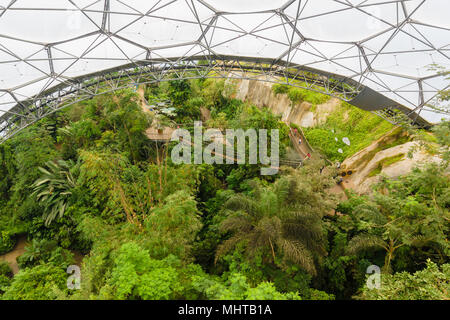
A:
[365,162]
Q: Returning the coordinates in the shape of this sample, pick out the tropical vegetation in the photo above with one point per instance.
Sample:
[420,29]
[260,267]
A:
[86,186]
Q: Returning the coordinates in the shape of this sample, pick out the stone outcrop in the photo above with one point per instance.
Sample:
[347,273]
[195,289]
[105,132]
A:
[260,93]
[369,160]
[364,162]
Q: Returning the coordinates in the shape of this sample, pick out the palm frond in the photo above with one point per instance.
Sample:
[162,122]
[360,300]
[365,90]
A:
[228,245]
[364,241]
[242,203]
[239,222]
[296,251]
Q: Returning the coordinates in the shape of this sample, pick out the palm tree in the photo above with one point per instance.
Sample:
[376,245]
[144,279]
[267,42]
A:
[276,219]
[387,229]
[387,242]
[54,188]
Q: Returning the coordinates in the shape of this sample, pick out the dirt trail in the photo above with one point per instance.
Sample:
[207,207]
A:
[11,257]
[78,257]
[339,190]
[19,249]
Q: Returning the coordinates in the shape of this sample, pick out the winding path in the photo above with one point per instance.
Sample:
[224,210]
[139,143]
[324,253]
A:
[302,149]
[18,250]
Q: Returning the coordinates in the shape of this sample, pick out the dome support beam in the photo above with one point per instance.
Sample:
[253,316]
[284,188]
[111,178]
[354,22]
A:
[72,91]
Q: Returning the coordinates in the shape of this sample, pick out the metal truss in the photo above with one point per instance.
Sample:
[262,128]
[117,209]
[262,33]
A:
[86,87]
[40,75]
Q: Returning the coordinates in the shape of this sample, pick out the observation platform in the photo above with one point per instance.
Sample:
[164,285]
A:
[159,135]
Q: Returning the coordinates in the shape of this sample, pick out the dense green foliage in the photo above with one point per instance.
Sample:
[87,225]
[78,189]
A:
[297,95]
[360,127]
[411,215]
[284,217]
[5,276]
[6,241]
[143,227]
[53,189]
[42,282]
[431,283]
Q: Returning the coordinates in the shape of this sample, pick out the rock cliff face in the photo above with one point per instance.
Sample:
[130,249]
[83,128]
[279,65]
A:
[261,94]
[392,162]
[366,164]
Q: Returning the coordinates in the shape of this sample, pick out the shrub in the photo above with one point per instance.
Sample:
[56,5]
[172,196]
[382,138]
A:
[5,269]
[4,283]
[385,163]
[280,88]
[297,95]
[45,251]
[5,276]
[39,283]
[431,283]
[359,126]
[7,241]
[136,276]
[324,140]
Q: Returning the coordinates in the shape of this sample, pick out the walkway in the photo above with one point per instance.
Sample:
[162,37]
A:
[18,250]
[304,148]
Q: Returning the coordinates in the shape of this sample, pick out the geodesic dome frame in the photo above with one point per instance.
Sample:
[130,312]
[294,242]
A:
[375,54]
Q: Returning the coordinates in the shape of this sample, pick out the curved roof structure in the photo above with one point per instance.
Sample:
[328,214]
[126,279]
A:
[376,54]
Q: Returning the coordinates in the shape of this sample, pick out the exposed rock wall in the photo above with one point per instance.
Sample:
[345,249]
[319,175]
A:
[364,162]
[260,93]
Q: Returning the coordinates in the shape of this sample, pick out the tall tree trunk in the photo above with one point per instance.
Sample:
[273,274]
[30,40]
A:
[389,256]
